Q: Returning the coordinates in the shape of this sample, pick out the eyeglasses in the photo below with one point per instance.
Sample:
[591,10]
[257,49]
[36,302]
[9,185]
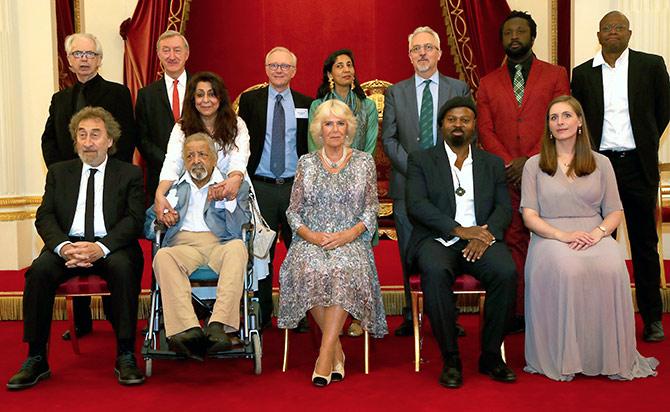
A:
[276,66]
[78,54]
[618,28]
[426,47]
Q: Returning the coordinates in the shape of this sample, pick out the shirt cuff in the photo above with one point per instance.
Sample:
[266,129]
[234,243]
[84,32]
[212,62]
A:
[105,251]
[60,246]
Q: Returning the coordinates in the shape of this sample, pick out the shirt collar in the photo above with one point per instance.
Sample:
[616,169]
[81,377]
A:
[599,60]
[169,80]
[100,167]
[435,78]
[216,177]
[452,156]
[272,92]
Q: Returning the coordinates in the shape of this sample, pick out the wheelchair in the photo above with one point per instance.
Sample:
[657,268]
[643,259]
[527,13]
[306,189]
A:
[247,344]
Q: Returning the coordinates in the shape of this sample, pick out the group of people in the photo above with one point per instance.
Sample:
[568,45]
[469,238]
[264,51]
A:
[509,189]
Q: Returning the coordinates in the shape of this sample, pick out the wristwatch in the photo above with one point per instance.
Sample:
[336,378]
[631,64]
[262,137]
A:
[602,228]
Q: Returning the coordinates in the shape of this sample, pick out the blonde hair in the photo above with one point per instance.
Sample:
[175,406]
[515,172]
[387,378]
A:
[282,49]
[335,108]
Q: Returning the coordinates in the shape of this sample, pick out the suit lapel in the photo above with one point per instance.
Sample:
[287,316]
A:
[444,169]
[71,196]
[479,180]
[534,76]
[410,97]
[111,175]
[163,95]
[633,73]
[598,94]
[506,85]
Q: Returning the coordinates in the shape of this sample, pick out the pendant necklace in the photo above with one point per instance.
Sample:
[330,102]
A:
[334,165]
[459,190]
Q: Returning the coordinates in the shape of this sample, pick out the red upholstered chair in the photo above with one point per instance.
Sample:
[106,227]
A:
[464,285]
[88,285]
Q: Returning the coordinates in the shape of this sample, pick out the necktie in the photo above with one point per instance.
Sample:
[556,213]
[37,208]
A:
[175,100]
[426,117]
[81,100]
[518,84]
[277,151]
[89,230]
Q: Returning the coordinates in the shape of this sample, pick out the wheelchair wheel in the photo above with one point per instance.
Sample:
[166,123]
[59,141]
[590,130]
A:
[258,353]
[149,363]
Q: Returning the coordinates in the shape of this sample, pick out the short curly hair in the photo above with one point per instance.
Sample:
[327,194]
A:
[338,109]
[112,126]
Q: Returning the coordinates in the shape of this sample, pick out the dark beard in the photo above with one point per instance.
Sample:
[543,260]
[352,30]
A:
[518,53]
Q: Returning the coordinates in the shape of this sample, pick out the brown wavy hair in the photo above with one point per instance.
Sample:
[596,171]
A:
[225,124]
[583,163]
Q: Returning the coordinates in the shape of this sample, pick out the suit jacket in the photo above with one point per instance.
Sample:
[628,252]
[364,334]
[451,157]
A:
[400,126]
[648,104]
[122,204]
[253,110]
[431,201]
[57,143]
[154,125]
[507,129]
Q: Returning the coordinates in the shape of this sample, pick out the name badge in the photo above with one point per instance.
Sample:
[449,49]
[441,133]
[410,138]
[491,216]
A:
[301,113]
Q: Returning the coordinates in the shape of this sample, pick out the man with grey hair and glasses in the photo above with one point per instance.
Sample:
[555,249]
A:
[410,109]
[84,56]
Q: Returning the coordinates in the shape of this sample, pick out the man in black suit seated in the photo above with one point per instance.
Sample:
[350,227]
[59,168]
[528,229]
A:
[84,57]
[90,218]
[159,105]
[459,206]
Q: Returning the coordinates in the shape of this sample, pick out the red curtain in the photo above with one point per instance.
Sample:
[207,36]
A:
[473,27]
[64,27]
[140,33]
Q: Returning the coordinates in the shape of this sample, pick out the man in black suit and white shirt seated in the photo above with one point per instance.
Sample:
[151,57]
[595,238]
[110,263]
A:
[459,206]
[91,215]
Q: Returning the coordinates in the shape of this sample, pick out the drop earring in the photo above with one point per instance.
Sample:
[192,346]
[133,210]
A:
[579,131]
[331,83]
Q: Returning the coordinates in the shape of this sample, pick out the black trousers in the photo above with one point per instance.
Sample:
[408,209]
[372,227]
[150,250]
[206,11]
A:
[122,270]
[439,267]
[403,228]
[273,200]
[639,205]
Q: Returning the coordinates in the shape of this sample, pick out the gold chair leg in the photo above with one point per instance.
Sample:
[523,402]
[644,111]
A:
[415,323]
[285,362]
[367,352]
[70,318]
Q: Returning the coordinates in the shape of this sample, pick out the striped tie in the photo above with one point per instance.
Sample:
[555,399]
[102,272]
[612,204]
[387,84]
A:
[518,84]
[426,117]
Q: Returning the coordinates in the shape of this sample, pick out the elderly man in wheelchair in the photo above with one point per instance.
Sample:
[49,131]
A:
[205,232]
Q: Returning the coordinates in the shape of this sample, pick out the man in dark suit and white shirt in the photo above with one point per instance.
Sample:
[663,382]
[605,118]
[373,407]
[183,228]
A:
[84,55]
[276,116]
[458,202]
[90,218]
[159,105]
[626,99]
[410,109]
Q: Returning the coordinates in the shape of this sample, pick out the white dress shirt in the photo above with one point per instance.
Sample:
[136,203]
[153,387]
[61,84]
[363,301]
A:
[181,89]
[99,228]
[465,205]
[617,129]
[194,220]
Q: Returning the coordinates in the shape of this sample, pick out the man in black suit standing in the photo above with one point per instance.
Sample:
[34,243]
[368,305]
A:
[159,105]
[90,218]
[276,117]
[458,203]
[626,99]
[84,55]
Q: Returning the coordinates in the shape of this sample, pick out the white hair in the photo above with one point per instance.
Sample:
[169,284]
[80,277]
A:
[424,29]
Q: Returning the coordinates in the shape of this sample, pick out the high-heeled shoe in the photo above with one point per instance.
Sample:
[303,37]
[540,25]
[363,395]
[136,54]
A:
[338,371]
[320,380]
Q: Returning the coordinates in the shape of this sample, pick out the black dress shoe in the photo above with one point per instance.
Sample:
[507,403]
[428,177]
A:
[452,375]
[406,328]
[498,372]
[217,339]
[192,343]
[126,370]
[653,332]
[33,370]
[303,326]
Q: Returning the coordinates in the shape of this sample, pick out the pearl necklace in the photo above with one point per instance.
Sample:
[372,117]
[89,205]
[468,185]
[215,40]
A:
[334,165]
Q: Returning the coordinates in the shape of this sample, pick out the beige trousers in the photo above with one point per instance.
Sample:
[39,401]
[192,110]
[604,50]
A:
[173,265]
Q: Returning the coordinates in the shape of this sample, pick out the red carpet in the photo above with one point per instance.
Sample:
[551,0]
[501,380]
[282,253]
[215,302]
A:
[86,382]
